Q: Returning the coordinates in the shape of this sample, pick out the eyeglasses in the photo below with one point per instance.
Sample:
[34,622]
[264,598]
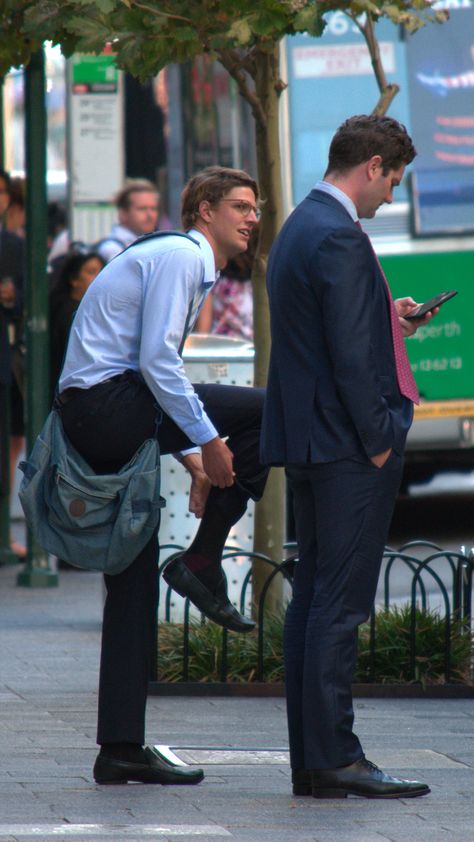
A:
[244,208]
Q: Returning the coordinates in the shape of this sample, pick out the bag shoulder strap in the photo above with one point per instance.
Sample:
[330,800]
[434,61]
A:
[155,234]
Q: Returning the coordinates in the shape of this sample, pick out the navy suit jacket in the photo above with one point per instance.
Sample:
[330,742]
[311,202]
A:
[332,389]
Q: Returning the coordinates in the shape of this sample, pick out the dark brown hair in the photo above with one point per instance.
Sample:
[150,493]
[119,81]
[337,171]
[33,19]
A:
[363,136]
[131,186]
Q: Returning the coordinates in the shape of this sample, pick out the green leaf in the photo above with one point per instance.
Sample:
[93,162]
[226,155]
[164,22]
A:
[241,32]
[270,23]
[186,34]
[85,27]
[310,20]
[359,6]
[105,7]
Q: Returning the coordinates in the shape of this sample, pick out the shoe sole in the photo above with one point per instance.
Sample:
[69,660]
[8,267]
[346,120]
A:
[343,793]
[302,790]
[207,611]
[146,783]
[110,783]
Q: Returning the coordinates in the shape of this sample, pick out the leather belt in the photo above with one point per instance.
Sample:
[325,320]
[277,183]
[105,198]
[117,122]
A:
[67,395]
[73,391]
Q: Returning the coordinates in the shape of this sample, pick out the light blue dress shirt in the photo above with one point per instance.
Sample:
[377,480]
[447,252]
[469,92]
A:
[135,316]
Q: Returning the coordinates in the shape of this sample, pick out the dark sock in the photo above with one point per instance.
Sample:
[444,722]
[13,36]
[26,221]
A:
[129,752]
[224,508]
[206,571]
[204,555]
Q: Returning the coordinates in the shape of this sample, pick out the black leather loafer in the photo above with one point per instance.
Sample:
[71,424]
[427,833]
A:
[216,606]
[109,770]
[363,778]
[301,780]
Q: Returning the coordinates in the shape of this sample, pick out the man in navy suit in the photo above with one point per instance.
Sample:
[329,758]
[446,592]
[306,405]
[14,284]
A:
[338,408]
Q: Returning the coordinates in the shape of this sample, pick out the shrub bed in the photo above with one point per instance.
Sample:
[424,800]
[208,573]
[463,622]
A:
[213,656]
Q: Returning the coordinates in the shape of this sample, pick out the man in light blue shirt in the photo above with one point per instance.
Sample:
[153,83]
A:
[123,381]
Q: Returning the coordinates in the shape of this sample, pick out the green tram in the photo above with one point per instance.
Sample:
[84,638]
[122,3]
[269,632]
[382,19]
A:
[441,353]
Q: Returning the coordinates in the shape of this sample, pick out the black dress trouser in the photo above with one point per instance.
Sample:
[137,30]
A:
[107,424]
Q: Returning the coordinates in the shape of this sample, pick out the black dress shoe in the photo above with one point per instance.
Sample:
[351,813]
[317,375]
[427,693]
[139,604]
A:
[363,778]
[217,606]
[155,770]
[301,780]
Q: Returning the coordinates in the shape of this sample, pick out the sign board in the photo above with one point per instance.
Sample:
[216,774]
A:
[441,70]
[95,115]
[329,79]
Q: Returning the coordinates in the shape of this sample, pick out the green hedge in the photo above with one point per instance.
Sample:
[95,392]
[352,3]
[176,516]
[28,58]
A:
[391,662]
[392,649]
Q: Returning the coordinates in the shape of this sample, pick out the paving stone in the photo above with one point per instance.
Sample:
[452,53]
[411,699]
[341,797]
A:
[48,699]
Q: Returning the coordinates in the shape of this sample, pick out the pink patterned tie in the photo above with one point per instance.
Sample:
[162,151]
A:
[405,379]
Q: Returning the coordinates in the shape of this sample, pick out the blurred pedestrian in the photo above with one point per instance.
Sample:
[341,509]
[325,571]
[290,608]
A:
[11,319]
[15,218]
[58,233]
[137,204]
[76,274]
[228,310]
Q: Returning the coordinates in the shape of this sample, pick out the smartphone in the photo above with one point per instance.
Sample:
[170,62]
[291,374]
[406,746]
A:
[423,309]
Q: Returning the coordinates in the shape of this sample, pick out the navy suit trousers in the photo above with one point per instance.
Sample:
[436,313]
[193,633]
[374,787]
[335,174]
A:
[342,512]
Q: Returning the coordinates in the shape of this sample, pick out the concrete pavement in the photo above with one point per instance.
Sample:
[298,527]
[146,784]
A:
[49,652]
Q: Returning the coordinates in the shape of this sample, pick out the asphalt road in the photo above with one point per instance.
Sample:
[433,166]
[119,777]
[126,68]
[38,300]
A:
[441,511]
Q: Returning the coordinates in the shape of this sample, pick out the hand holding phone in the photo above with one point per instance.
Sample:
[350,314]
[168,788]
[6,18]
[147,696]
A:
[425,308]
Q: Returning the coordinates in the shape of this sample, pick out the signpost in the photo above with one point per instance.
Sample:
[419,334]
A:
[95,143]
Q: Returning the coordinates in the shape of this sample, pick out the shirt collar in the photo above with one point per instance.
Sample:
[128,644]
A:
[121,232]
[210,272]
[340,196]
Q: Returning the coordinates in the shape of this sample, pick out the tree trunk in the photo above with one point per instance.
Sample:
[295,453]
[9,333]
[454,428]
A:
[269,531]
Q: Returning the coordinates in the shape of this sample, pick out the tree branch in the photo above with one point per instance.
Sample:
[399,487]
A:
[159,13]
[388,90]
[242,59]
[385,100]
[233,63]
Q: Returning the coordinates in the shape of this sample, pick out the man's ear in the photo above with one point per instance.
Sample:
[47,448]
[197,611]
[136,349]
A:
[205,210]
[374,164]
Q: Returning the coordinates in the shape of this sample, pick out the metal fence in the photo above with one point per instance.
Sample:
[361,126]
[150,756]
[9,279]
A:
[428,579]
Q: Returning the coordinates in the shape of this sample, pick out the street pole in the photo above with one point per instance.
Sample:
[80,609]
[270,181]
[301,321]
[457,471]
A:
[37,572]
